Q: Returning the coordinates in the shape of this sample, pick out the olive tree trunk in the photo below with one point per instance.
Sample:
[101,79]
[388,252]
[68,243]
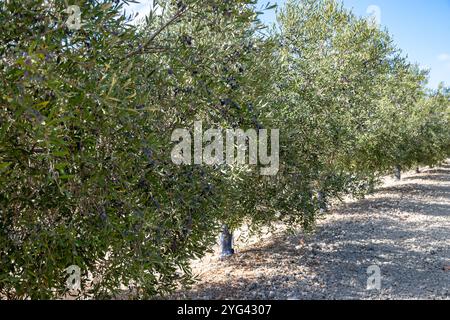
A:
[226,242]
[322,202]
[398,172]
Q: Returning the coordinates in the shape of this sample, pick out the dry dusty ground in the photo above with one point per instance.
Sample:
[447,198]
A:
[404,228]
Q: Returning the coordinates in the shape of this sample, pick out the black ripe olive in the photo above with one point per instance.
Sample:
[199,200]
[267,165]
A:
[187,40]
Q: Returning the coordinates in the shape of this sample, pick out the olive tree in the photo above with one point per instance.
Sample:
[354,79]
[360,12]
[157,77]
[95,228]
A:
[86,115]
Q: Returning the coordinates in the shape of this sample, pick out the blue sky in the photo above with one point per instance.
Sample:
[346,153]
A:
[421,28]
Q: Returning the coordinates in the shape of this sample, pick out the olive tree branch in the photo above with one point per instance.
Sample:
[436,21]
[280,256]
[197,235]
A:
[174,18]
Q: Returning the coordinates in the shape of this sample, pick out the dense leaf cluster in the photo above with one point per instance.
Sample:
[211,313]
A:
[86,117]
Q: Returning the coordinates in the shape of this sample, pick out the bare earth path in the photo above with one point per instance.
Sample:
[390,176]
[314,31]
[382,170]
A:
[404,228]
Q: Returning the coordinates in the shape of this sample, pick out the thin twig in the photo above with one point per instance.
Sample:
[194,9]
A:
[176,16]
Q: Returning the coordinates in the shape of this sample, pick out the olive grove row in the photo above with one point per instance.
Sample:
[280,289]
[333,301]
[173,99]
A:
[86,117]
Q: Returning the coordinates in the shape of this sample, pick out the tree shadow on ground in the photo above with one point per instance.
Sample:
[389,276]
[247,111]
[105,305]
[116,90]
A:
[405,233]
[416,189]
[432,177]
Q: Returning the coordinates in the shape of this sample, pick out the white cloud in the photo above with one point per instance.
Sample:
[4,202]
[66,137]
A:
[444,57]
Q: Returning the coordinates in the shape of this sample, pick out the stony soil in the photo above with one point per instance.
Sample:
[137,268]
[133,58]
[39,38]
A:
[404,228]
